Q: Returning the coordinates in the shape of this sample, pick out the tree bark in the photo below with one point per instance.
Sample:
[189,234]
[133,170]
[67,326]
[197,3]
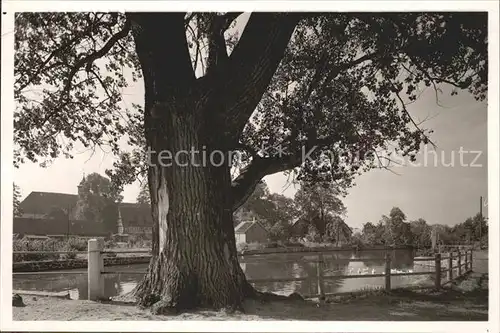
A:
[194,260]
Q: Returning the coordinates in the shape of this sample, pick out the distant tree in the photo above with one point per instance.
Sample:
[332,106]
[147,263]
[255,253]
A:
[256,206]
[98,201]
[283,210]
[372,234]
[337,231]
[318,203]
[473,229]
[396,230]
[17,201]
[421,233]
[313,234]
[143,197]
[357,239]
[276,211]
[279,231]
[445,234]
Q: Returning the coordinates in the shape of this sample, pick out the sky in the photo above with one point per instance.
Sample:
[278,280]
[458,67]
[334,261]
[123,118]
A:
[437,190]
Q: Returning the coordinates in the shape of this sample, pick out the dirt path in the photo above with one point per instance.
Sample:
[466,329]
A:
[467,300]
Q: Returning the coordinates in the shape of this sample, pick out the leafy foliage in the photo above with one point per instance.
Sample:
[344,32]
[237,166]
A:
[342,84]
[61,95]
[337,231]
[321,206]
[98,201]
[276,211]
[421,233]
[392,230]
[396,230]
[36,246]
[341,88]
[17,200]
[143,197]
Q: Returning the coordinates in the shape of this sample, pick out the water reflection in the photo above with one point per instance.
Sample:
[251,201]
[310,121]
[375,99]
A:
[255,267]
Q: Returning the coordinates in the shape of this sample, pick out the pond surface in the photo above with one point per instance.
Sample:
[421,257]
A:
[255,267]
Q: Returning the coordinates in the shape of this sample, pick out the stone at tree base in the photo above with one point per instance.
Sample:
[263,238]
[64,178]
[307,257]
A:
[295,296]
[17,301]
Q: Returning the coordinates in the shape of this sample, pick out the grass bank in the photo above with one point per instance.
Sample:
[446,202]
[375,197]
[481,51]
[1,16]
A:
[464,300]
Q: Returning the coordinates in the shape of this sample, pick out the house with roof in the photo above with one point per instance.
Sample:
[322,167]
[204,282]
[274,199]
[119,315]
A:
[251,232]
[55,214]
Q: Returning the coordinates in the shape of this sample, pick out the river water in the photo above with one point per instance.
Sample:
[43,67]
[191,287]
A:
[255,267]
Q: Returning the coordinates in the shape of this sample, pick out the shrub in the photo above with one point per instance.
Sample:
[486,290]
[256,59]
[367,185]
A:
[73,244]
[77,244]
[110,244]
[138,241]
[70,255]
[25,244]
[249,246]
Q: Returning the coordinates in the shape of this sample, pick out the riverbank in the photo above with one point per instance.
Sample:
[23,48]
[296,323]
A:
[463,300]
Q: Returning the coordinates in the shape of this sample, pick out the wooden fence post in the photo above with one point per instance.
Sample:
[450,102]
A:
[437,267]
[95,266]
[321,283]
[459,263]
[387,271]
[450,266]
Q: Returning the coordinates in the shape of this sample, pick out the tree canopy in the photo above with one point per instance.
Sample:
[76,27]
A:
[341,86]
[393,230]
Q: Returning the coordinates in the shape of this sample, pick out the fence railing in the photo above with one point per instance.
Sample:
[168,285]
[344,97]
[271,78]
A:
[96,271]
[96,253]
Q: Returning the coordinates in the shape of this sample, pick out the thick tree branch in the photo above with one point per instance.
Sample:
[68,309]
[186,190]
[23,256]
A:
[88,60]
[245,183]
[161,45]
[228,18]
[240,84]
[259,167]
[43,65]
[217,52]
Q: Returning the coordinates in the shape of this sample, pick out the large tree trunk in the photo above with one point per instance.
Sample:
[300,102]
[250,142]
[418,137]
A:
[195,260]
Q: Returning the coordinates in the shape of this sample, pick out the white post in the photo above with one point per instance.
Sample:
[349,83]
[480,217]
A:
[94,269]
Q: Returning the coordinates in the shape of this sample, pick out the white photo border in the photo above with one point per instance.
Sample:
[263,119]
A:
[7,106]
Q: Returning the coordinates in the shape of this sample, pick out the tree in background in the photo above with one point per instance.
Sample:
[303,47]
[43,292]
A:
[17,200]
[372,234]
[320,204]
[421,233]
[143,197]
[98,201]
[280,216]
[256,206]
[333,83]
[313,234]
[337,231]
[396,230]
[473,229]
[274,210]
